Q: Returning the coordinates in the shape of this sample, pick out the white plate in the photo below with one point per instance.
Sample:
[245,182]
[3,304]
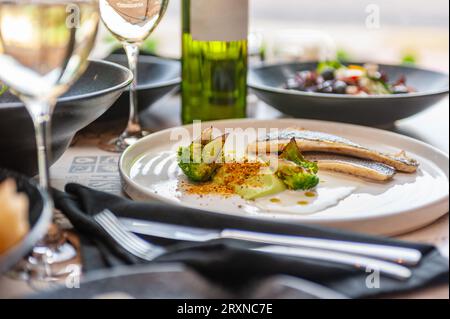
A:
[149,171]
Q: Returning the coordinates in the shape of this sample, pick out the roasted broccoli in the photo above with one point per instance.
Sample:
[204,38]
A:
[294,170]
[200,160]
[292,153]
[206,137]
[196,172]
[295,176]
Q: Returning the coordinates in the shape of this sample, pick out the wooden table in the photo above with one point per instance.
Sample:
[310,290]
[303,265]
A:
[431,126]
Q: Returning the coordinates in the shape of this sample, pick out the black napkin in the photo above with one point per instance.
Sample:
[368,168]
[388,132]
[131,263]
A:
[227,262]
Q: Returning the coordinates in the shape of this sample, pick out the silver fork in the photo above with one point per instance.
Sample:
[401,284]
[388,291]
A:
[146,251]
[127,240]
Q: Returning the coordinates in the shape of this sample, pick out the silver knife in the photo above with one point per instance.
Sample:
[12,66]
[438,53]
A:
[370,265]
[399,255]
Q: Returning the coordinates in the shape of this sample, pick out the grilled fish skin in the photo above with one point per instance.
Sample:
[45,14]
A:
[310,141]
[366,169]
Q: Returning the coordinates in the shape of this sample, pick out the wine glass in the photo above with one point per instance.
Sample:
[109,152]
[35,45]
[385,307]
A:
[131,22]
[44,46]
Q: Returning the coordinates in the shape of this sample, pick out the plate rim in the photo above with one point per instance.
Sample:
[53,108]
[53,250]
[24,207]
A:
[127,182]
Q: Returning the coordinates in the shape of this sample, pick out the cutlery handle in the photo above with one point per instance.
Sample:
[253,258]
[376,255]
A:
[364,263]
[399,255]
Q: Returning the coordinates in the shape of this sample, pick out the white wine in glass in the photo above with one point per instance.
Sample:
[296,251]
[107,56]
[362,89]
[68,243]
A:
[44,46]
[131,22]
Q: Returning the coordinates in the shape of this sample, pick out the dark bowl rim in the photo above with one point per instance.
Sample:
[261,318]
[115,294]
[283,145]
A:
[151,60]
[266,88]
[114,88]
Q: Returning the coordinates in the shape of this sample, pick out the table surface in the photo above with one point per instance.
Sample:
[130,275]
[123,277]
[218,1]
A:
[431,126]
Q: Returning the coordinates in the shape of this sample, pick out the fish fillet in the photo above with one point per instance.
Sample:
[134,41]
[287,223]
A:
[351,165]
[310,141]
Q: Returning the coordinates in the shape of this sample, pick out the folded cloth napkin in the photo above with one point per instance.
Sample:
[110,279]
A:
[227,262]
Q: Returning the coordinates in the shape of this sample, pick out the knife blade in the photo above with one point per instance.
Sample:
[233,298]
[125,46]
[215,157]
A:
[360,262]
[399,255]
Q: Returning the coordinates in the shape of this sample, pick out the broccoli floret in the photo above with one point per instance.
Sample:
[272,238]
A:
[198,172]
[200,161]
[195,171]
[296,177]
[292,153]
[206,137]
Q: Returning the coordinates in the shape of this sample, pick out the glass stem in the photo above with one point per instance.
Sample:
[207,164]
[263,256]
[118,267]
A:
[41,114]
[132,51]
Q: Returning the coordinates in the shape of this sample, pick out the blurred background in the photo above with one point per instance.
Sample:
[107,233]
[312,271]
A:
[384,31]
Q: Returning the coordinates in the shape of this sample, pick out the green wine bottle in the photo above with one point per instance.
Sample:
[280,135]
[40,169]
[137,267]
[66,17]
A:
[214,62]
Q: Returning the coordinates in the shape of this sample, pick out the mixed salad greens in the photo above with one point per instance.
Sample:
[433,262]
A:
[203,162]
[335,78]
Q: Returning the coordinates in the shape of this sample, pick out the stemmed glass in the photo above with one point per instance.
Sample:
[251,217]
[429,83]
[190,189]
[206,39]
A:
[131,22]
[44,46]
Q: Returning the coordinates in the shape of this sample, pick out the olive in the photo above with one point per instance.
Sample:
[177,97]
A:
[328,74]
[384,77]
[307,78]
[326,87]
[340,87]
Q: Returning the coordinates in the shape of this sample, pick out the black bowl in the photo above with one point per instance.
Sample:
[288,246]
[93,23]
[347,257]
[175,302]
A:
[40,214]
[267,83]
[98,88]
[157,77]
